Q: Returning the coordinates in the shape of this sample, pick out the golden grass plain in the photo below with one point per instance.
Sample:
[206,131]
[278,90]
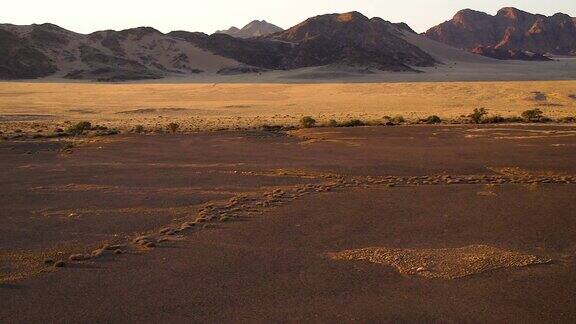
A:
[214,106]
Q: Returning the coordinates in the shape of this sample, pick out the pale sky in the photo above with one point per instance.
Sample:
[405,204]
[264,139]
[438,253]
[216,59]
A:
[209,15]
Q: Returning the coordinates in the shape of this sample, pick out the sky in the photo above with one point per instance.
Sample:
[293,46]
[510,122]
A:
[210,15]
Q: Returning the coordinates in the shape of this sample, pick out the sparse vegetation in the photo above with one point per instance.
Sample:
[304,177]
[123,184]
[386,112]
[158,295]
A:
[353,123]
[173,127]
[79,128]
[307,122]
[139,129]
[533,115]
[432,120]
[332,123]
[477,115]
[494,119]
[398,119]
[569,119]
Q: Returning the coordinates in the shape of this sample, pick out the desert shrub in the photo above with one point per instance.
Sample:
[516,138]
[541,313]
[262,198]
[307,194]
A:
[477,115]
[79,128]
[398,119]
[271,128]
[353,123]
[99,128]
[332,123]
[107,132]
[568,119]
[307,122]
[173,127]
[432,120]
[533,115]
[495,119]
[139,129]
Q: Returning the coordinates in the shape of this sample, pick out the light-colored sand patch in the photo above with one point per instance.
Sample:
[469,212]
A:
[451,263]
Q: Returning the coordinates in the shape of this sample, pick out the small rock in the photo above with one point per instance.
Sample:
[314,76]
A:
[113,247]
[78,257]
[60,264]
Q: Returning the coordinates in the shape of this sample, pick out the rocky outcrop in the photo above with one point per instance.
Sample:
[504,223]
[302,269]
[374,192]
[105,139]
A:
[508,54]
[510,29]
[350,39]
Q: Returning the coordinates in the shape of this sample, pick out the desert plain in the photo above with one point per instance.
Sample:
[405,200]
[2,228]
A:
[347,169]
[43,107]
[433,223]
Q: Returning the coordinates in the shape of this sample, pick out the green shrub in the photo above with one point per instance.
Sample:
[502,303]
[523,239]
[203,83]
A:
[353,123]
[139,129]
[79,128]
[432,120]
[478,114]
[173,127]
[307,122]
[495,119]
[533,115]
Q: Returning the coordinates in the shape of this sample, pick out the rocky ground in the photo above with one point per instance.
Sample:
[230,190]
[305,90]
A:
[410,223]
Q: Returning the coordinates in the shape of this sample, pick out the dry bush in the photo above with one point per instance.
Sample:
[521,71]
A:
[307,122]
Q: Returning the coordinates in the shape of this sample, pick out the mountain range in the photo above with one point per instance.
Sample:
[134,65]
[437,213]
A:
[510,29]
[349,39]
[255,28]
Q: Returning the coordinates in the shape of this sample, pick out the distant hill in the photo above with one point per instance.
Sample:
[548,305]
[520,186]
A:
[510,29]
[256,28]
[349,39]
[134,54]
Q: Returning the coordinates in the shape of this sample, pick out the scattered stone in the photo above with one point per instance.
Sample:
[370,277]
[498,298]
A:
[60,264]
[141,239]
[78,257]
[113,247]
[450,263]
